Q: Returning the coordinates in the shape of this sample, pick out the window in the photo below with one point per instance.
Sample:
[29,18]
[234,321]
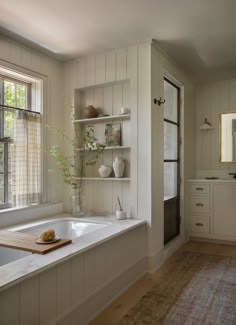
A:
[20,144]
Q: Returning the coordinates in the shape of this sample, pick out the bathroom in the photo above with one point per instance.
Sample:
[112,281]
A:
[74,283]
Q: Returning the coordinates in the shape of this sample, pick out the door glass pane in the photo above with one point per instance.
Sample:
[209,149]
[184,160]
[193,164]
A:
[170,180]
[170,141]
[1,188]
[1,157]
[171,102]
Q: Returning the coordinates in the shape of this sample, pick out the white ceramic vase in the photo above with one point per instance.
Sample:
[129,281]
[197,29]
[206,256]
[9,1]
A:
[104,171]
[118,167]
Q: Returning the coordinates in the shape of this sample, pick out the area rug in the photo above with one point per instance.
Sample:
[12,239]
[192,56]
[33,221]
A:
[197,289]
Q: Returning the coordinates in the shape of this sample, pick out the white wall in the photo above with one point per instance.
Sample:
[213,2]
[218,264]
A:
[145,66]
[108,68]
[163,66]
[17,57]
[211,100]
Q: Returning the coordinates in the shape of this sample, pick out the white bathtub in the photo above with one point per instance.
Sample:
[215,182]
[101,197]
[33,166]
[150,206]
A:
[71,284]
[69,228]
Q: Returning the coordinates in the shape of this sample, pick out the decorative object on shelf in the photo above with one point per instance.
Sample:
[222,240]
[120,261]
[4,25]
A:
[113,134]
[120,213]
[90,112]
[206,125]
[104,171]
[118,167]
[124,110]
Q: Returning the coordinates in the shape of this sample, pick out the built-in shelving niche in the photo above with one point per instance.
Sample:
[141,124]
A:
[99,194]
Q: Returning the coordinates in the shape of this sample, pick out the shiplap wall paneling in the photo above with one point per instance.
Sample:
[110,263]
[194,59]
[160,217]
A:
[132,75]
[108,72]
[29,296]
[121,64]
[90,71]
[108,99]
[9,306]
[211,100]
[48,296]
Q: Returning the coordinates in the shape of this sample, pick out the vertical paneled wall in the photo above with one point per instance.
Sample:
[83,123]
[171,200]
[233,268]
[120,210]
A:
[101,196]
[22,59]
[211,100]
[117,74]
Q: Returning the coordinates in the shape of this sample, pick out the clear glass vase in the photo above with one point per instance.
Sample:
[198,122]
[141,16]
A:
[75,204]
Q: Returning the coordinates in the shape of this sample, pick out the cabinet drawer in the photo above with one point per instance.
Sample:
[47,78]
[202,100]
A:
[200,188]
[200,224]
[200,204]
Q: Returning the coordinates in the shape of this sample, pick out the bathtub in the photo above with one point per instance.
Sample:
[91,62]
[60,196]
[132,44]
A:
[68,228]
[71,284]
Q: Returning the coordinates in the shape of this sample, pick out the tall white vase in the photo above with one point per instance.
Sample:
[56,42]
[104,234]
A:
[118,167]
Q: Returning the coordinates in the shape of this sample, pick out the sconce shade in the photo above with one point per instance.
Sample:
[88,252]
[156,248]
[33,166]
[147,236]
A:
[206,125]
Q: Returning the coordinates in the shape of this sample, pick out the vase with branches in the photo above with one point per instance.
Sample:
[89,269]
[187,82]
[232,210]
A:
[85,152]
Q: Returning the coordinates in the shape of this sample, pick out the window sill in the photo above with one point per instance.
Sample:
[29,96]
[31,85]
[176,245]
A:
[13,216]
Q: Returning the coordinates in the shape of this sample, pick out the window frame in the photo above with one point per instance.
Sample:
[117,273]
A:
[3,140]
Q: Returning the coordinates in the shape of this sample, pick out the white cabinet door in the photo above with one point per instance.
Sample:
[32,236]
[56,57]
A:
[224,210]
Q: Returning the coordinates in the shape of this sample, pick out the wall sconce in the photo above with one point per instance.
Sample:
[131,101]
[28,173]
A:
[206,125]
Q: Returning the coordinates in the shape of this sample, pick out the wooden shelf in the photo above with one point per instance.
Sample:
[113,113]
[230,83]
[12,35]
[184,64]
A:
[104,119]
[122,179]
[107,148]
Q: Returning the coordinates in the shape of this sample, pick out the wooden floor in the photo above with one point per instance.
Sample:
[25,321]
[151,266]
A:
[128,299]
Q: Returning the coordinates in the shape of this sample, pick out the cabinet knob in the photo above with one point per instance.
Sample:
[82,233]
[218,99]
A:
[199,204]
[199,188]
[199,224]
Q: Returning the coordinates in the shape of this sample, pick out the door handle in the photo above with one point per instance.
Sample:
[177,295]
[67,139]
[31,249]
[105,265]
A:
[199,224]
[199,188]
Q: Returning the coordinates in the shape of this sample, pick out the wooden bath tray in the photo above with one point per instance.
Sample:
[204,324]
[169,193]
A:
[26,242]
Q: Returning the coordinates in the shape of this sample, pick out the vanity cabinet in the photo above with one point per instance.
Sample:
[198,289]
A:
[212,209]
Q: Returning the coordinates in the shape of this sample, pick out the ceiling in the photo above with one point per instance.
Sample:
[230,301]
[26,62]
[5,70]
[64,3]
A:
[200,35]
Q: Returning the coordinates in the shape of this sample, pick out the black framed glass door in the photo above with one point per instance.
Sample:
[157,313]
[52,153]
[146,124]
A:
[171,161]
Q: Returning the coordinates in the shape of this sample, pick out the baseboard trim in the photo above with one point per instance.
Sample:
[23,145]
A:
[156,260]
[101,299]
[213,241]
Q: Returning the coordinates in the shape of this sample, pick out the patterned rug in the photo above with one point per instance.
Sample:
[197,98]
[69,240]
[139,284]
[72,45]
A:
[198,289]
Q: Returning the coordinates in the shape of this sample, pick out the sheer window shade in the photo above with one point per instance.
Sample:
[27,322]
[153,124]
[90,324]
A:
[25,159]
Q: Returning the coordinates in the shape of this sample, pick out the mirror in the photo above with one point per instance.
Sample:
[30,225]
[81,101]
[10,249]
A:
[228,137]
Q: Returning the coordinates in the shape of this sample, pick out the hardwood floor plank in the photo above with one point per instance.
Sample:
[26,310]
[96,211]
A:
[128,299]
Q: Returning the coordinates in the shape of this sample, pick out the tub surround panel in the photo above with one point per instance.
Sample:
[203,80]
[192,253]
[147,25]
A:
[29,296]
[35,262]
[75,289]
[47,297]
[10,306]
